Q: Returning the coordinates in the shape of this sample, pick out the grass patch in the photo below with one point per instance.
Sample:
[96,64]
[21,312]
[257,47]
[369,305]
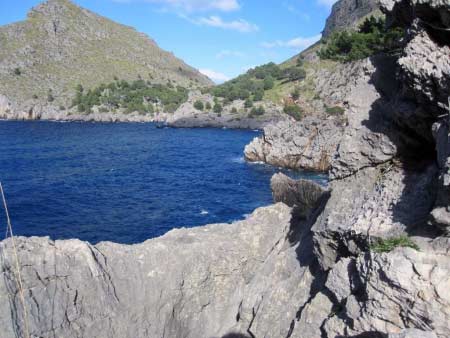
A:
[389,244]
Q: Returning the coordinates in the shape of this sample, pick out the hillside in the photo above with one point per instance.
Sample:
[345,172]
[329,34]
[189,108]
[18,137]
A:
[347,14]
[61,45]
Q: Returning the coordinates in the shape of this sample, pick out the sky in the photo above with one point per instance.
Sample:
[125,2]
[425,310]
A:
[221,38]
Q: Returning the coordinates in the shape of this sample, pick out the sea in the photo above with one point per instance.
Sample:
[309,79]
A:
[127,182]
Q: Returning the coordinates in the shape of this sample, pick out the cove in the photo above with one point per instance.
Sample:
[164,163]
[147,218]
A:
[126,182]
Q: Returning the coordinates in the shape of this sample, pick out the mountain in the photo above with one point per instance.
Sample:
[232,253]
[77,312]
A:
[61,45]
[347,14]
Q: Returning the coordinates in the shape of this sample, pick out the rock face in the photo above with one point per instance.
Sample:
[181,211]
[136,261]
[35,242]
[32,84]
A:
[348,13]
[203,282]
[308,144]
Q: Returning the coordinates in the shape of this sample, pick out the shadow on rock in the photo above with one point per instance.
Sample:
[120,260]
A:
[371,334]
[236,335]
[408,125]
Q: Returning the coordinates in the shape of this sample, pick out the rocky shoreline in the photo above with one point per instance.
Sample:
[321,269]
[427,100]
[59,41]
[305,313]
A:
[184,117]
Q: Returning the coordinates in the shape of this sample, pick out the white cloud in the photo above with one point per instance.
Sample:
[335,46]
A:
[215,76]
[326,3]
[232,53]
[298,43]
[194,5]
[239,25]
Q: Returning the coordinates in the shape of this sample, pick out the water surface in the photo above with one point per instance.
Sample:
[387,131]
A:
[126,182]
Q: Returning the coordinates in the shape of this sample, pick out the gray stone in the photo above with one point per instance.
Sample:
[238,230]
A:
[308,144]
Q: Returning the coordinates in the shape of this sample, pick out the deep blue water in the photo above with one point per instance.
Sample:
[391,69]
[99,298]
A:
[126,182]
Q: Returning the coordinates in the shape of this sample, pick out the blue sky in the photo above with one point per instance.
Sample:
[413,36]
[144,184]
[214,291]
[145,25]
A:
[222,38]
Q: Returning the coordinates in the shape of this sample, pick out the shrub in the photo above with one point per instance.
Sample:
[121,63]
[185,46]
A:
[208,106]
[199,105]
[248,103]
[389,244]
[62,108]
[257,111]
[300,61]
[268,83]
[35,97]
[258,96]
[295,94]
[294,74]
[217,108]
[294,111]
[371,38]
[234,110]
[17,71]
[335,110]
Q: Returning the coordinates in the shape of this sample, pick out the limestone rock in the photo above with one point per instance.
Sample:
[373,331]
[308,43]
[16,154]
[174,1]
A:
[308,144]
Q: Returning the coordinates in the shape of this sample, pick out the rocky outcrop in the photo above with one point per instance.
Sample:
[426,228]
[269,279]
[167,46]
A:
[347,14]
[308,144]
[203,282]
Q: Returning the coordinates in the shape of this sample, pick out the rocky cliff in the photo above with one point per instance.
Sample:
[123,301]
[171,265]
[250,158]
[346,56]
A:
[347,14]
[368,256]
[61,45]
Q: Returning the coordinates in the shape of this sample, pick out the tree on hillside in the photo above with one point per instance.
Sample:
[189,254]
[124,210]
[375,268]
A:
[199,105]
[268,83]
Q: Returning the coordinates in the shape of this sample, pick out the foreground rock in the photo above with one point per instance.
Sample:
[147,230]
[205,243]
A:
[203,282]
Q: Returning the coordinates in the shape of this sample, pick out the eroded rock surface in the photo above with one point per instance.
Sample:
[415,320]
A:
[308,144]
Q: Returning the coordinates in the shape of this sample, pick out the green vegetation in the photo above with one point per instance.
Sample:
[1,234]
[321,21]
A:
[17,71]
[217,108]
[389,244]
[248,103]
[208,106]
[269,82]
[294,111]
[335,111]
[253,84]
[295,94]
[199,105]
[137,96]
[372,37]
[234,110]
[257,111]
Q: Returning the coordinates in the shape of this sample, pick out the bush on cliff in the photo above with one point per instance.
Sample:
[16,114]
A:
[372,37]
[294,111]
[389,244]
[199,105]
[257,111]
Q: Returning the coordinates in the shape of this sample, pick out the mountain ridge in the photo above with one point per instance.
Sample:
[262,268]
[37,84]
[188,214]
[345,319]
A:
[60,45]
